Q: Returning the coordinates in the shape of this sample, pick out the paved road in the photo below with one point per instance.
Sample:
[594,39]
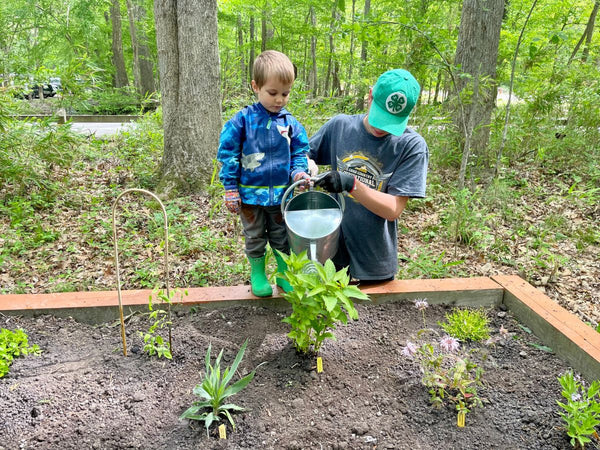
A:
[100,128]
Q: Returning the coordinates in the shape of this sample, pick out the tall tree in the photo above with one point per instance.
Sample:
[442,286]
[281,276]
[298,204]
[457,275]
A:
[118,59]
[313,52]
[476,56]
[587,34]
[143,68]
[362,89]
[252,56]
[188,61]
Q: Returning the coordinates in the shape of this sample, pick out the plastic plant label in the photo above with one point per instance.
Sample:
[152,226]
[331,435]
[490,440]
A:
[222,431]
[460,421]
[319,364]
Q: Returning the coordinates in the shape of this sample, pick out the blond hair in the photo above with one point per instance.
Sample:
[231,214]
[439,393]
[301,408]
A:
[272,63]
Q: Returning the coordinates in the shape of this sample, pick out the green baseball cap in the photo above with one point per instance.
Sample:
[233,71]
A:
[394,97]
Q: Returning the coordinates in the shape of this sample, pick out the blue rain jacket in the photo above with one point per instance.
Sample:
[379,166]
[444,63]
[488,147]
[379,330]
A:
[261,152]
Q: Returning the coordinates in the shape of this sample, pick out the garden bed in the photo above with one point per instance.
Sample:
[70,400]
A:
[81,392]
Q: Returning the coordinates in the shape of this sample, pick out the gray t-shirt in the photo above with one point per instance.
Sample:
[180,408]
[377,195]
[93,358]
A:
[396,165]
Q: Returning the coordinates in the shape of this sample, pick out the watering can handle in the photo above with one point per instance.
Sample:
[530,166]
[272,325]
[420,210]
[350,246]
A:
[290,190]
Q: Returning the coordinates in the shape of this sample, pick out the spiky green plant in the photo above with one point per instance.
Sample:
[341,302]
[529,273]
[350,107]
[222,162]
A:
[215,389]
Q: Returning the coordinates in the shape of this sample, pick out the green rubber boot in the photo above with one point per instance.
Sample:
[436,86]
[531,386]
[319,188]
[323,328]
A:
[258,278]
[281,268]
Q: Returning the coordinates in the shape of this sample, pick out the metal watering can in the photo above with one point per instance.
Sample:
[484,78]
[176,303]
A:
[313,221]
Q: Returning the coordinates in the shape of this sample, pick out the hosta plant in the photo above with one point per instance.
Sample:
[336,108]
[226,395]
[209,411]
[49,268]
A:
[215,390]
[582,408]
[321,297]
[12,345]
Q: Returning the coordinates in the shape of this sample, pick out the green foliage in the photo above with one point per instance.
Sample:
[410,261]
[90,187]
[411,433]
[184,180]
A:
[321,297]
[466,220]
[450,378]
[582,408]
[467,324]
[12,345]
[422,263]
[215,389]
[30,152]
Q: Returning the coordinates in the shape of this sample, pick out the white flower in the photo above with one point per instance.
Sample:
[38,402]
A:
[575,397]
[449,344]
[421,304]
[409,350]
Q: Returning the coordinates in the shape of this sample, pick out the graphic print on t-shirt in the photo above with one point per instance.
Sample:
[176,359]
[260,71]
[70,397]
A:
[365,170]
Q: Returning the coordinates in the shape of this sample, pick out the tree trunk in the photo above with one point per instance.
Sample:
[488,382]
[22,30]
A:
[118,59]
[334,64]
[188,61]
[313,52]
[251,59]
[510,90]
[476,55]
[351,63]
[362,89]
[587,35]
[264,32]
[241,50]
[143,69]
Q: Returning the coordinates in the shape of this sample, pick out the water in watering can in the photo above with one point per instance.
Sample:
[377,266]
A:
[313,223]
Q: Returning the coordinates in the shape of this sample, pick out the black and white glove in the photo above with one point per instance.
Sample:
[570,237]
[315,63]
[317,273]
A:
[336,182]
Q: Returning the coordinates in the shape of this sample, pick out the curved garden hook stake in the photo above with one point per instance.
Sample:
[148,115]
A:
[166,228]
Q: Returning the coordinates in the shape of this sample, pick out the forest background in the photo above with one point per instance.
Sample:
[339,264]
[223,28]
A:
[510,109]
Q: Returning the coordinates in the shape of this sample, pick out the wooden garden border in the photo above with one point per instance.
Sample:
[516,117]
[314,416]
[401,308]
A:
[571,339]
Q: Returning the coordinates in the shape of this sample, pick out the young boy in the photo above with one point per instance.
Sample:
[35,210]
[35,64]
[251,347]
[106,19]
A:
[262,148]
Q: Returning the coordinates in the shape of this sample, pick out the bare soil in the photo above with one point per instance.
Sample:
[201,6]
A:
[81,392]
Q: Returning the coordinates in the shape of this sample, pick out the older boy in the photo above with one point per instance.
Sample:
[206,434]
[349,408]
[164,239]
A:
[381,163]
[262,148]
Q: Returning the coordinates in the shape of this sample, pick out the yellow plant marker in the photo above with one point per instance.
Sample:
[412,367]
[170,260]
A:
[461,419]
[222,431]
[319,364]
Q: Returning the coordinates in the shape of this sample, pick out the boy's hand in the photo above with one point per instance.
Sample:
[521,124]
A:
[302,176]
[336,182]
[233,202]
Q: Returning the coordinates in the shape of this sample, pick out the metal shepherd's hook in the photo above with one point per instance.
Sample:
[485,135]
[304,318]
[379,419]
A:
[166,228]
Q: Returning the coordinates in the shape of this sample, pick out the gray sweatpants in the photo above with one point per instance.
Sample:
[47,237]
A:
[263,224]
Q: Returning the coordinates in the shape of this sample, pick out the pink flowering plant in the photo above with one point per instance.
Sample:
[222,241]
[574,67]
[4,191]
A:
[447,371]
[449,375]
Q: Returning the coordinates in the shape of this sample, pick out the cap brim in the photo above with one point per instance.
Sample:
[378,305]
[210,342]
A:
[383,120]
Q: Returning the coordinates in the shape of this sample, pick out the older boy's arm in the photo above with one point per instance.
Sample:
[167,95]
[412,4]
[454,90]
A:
[387,206]
[384,205]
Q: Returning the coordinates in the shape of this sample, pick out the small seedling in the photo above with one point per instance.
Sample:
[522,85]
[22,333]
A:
[467,325]
[154,343]
[320,299]
[214,390]
[582,409]
[12,345]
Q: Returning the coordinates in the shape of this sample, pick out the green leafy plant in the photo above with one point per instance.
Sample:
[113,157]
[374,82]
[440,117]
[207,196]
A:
[215,389]
[467,324]
[154,343]
[321,298]
[12,345]
[582,409]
